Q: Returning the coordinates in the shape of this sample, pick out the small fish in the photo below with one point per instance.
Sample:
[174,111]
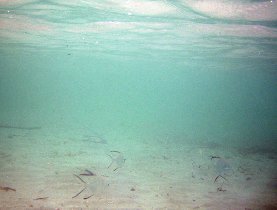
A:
[117,160]
[7,189]
[95,139]
[40,198]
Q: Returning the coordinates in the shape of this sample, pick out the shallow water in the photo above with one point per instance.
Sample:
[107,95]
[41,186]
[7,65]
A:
[166,83]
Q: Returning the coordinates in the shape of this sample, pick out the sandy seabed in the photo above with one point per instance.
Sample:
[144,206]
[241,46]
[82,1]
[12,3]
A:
[40,169]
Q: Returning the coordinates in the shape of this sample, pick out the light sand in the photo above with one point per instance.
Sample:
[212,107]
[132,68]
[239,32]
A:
[159,173]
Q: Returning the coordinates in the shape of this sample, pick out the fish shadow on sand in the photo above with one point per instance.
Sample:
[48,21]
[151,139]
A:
[96,186]
[222,169]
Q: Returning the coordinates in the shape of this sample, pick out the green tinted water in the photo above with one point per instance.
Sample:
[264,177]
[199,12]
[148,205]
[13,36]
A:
[175,72]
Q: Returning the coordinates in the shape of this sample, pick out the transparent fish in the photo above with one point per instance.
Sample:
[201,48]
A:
[118,160]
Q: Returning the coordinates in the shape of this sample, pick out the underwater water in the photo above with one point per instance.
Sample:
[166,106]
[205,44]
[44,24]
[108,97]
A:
[166,86]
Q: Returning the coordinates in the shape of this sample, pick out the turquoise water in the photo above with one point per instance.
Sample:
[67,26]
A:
[187,72]
[216,99]
[183,68]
